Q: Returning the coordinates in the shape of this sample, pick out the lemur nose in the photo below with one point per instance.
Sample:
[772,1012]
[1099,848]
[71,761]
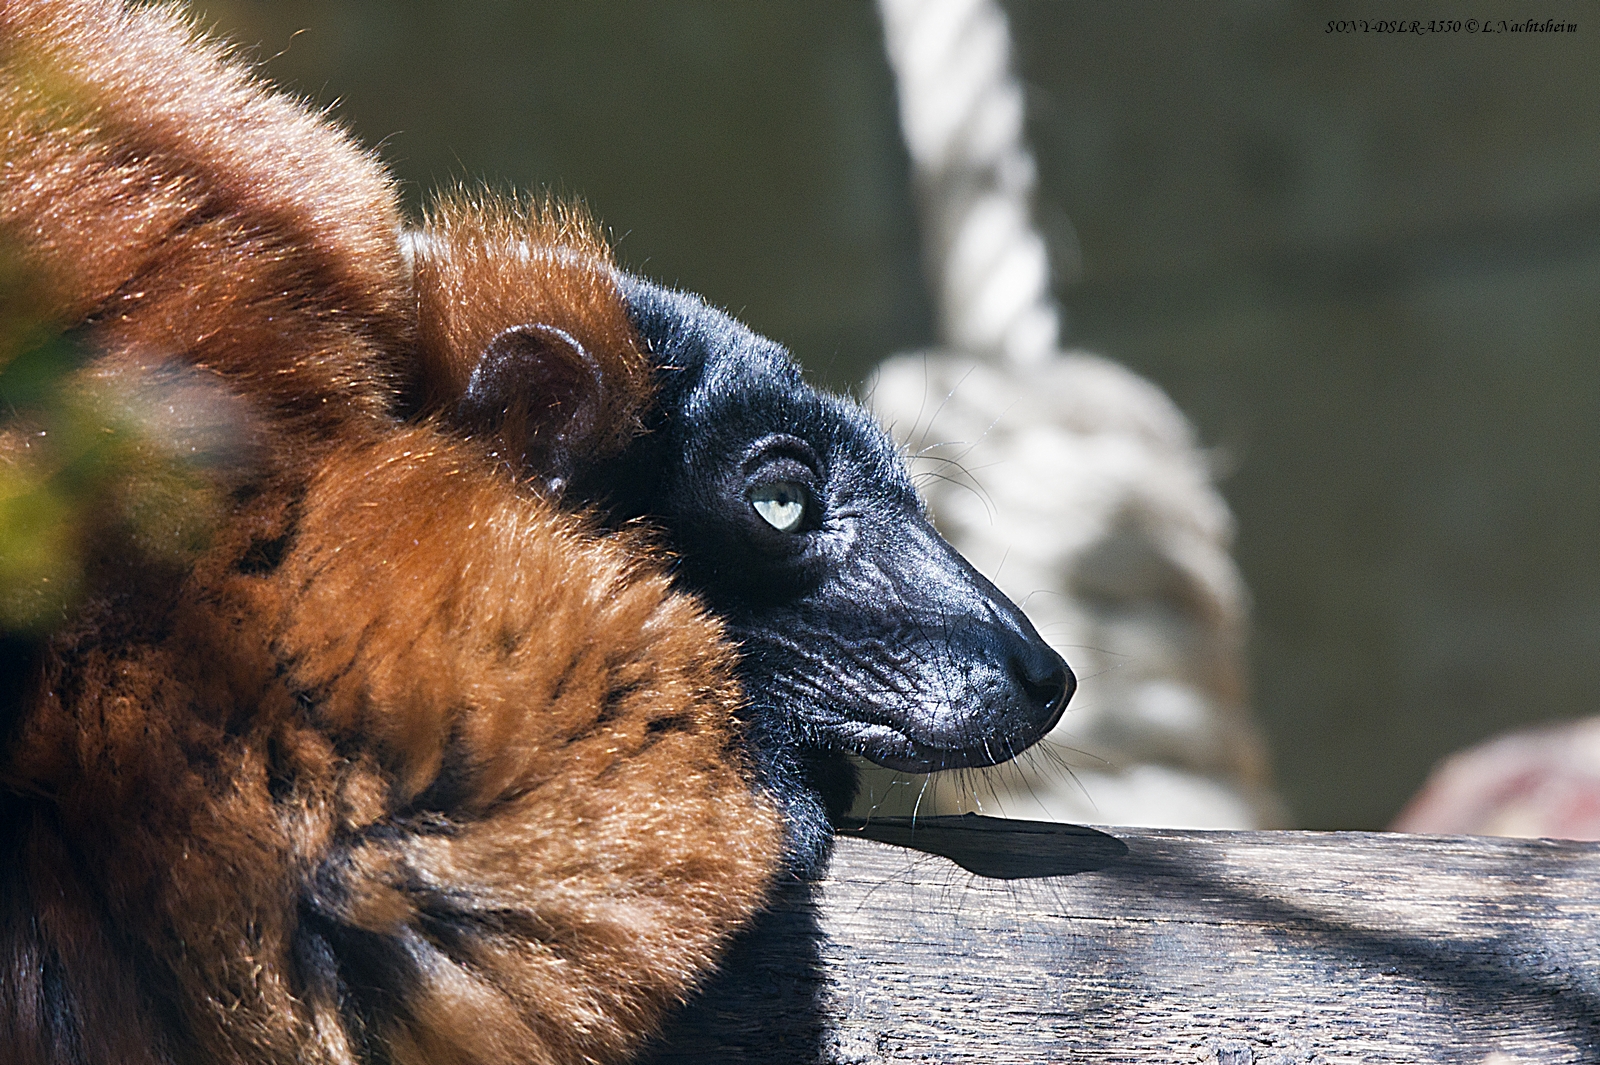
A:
[1047,681]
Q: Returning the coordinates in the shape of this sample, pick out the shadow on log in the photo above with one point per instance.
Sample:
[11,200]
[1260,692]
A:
[997,848]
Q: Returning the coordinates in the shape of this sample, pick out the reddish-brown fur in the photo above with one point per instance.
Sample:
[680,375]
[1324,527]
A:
[482,265]
[400,711]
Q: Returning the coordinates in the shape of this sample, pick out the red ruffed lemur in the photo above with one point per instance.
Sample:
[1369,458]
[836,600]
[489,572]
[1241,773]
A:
[529,615]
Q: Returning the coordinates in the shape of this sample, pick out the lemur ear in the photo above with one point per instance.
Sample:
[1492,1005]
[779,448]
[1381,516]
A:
[539,391]
[524,340]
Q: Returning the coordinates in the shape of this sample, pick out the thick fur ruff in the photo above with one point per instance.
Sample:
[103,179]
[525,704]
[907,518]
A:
[404,764]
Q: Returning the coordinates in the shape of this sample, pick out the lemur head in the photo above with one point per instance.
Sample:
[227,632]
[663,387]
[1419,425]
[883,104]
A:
[787,510]
[791,513]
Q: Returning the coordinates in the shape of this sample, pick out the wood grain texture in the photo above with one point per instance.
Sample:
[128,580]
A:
[1167,946]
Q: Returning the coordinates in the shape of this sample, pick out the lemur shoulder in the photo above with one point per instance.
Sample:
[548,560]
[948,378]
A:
[535,611]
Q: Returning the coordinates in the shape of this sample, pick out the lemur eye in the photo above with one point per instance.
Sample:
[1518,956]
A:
[781,504]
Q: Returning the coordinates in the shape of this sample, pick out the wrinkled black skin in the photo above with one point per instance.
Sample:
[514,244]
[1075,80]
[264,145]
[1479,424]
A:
[862,631]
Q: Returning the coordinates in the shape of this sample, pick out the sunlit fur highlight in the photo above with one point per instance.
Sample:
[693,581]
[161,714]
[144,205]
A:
[405,764]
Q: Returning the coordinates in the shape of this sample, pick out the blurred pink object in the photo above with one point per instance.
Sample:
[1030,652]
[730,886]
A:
[1543,782]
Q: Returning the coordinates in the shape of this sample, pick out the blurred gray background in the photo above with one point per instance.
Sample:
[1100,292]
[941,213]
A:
[1366,266]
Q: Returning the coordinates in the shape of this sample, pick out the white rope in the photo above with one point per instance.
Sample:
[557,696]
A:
[1093,506]
[962,112]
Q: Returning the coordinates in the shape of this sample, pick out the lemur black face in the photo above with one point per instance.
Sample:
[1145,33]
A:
[861,630]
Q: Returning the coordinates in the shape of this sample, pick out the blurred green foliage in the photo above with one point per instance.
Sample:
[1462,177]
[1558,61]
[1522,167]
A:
[39,569]
[88,469]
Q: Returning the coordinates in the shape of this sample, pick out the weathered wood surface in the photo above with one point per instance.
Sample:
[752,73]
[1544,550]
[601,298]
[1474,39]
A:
[1143,945]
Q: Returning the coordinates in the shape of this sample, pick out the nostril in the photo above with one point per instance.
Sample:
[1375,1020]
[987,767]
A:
[1047,681]
[1052,695]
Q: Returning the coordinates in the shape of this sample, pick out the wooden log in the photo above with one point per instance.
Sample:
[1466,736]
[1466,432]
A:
[1043,943]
